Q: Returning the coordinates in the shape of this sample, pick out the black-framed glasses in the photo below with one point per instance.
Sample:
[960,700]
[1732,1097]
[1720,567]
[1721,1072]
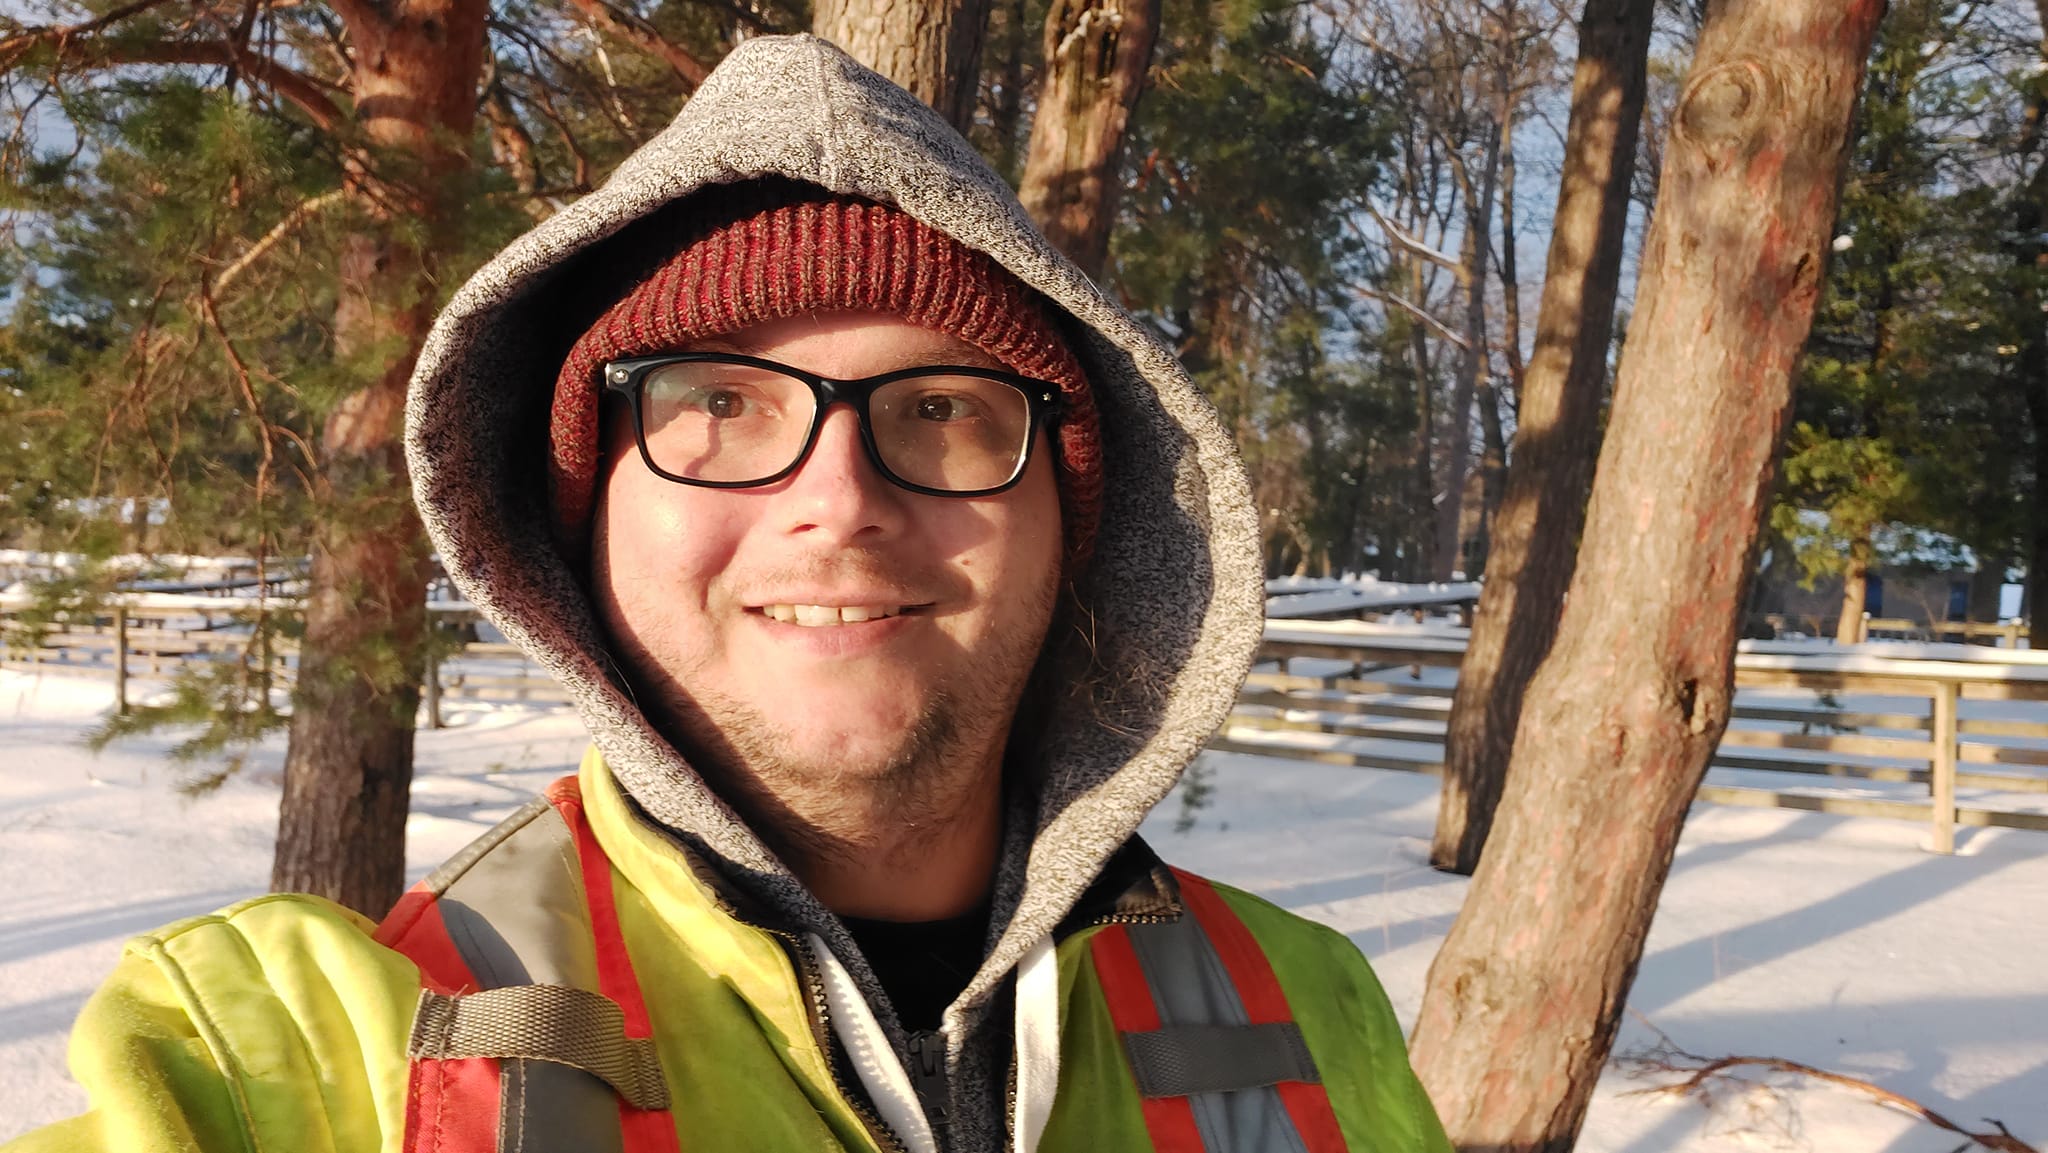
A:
[729,421]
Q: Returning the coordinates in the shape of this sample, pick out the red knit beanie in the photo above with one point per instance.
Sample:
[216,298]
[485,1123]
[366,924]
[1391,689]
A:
[763,252]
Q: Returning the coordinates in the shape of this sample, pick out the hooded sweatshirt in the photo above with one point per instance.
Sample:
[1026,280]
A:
[1174,592]
[1172,598]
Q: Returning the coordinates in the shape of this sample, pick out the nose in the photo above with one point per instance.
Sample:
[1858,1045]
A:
[837,493]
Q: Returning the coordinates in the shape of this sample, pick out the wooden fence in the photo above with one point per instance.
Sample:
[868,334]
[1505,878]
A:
[1382,698]
[152,634]
[1379,698]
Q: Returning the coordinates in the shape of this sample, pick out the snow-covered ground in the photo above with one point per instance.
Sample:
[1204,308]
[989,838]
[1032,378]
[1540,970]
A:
[1830,940]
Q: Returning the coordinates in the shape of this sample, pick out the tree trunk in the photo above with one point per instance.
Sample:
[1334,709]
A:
[1987,588]
[1478,245]
[1855,593]
[1524,998]
[1007,110]
[348,766]
[1096,57]
[1535,535]
[1422,562]
[930,47]
[2031,256]
[1493,447]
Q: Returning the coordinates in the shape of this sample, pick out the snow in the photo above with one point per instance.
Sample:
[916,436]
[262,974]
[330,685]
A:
[1307,597]
[1830,940]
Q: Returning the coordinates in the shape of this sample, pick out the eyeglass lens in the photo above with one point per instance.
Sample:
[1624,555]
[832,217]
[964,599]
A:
[735,423]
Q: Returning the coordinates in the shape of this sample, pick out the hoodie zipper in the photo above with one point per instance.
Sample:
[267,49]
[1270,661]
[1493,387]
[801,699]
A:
[821,1032]
[928,1080]
[933,1082]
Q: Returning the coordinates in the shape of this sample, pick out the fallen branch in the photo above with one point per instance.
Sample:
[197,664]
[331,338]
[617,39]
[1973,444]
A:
[1700,1072]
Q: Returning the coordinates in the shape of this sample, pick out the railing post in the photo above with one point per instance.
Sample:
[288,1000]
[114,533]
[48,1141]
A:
[1942,779]
[121,660]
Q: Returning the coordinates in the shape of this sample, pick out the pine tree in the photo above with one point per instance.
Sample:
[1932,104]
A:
[1901,415]
[1246,274]
[250,370]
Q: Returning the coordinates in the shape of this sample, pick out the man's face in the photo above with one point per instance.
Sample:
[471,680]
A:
[690,582]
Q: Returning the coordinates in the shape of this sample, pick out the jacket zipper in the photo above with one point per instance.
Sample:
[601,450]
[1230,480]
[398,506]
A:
[928,1081]
[821,1032]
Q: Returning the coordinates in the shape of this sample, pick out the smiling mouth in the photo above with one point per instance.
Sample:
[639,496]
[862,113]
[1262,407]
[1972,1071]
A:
[825,616]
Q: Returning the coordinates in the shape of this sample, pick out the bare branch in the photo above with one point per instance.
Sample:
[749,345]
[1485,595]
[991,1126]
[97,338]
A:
[300,213]
[640,34]
[13,46]
[308,93]
[1415,245]
[1418,312]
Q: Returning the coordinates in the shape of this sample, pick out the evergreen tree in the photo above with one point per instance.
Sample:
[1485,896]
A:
[234,225]
[1902,416]
[1254,144]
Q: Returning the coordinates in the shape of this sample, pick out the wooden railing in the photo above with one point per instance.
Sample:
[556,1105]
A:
[1382,698]
[1378,696]
[152,634]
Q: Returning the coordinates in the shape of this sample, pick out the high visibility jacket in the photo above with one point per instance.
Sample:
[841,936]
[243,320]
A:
[571,983]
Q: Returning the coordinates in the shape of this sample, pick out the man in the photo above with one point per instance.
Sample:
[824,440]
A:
[897,573]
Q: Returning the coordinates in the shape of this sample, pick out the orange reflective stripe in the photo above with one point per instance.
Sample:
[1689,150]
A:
[1308,1105]
[414,928]
[1170,1120]
[452,1106]
[644,1130]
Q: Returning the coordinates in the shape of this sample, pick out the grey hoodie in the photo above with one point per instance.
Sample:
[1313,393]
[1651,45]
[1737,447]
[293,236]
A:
[1174,589]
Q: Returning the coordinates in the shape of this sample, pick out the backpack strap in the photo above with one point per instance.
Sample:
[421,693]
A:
[527,994]
[1219,1062]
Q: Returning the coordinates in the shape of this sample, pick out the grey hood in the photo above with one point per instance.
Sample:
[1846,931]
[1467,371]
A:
[1174,587]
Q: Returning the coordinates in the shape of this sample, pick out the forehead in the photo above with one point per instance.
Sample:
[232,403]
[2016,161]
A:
[848,344]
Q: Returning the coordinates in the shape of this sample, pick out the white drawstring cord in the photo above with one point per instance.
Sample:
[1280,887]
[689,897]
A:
[873,1059]
[1038,1043]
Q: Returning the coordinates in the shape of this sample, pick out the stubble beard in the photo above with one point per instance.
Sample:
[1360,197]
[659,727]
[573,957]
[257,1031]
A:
[817,808]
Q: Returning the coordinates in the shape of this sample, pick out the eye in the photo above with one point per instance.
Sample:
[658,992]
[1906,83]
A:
[945,407]
[723,403]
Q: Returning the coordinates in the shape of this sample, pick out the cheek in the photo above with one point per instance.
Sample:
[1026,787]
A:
[654,552]
[1021,565]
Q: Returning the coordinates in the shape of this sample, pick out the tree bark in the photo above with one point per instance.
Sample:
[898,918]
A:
[1422,562]
[1493,454]
[1478,246]
[1524,998]
[1855,594]
[348,765]
[930,47]
[2031,256]
[1007,110]
[1987,588]
[1096,56]
[1535,535]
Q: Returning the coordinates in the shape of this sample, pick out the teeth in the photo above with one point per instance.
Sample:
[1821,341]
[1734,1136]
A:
[817,616]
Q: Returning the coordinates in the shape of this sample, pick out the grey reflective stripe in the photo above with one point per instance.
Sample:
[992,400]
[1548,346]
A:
[515,910]
[1183,1059]
[544,1107]
[1189,983]
[573,1027]
[1208,1047]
